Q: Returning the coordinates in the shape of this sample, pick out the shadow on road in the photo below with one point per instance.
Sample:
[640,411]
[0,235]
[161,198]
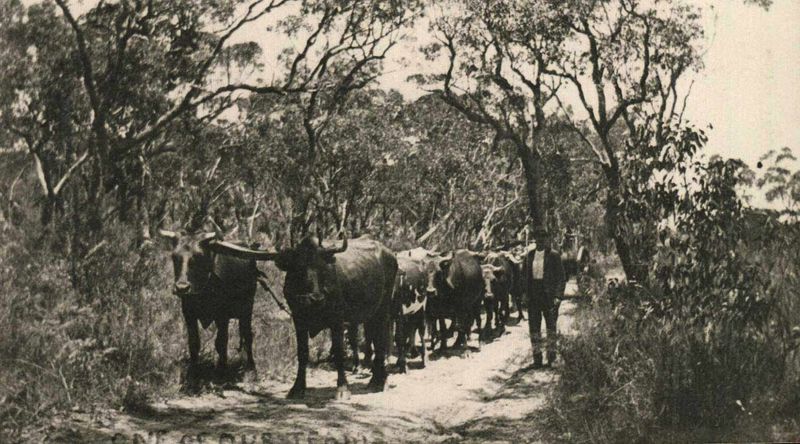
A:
[512,412]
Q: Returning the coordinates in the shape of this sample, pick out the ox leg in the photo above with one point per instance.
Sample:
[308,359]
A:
[337,338]
[401,337]
[221,343]
[352,338]
[379,332]
[193,334]
[518,303]
[443,334]
[299,387]
[490,306]
[431,323]
[421,328]
[368,348]
[246,337]
[502,314]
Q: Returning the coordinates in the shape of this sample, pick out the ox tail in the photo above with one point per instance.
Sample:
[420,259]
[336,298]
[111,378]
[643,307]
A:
[262,280]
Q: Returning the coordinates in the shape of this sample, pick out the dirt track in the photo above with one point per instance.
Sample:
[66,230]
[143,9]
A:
[469,396]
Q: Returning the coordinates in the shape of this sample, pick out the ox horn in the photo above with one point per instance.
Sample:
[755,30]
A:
[168,234]
[334,250]
[207,235]
[239,251]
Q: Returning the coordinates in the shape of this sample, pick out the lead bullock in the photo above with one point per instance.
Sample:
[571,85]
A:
[326,287]
[212,288]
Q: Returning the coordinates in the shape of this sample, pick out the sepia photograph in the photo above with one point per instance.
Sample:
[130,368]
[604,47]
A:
[399,221]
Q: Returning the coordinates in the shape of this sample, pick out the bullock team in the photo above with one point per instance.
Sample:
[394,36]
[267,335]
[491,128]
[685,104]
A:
[361,282]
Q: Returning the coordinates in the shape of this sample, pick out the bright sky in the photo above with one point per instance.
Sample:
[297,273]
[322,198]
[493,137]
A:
[750,88]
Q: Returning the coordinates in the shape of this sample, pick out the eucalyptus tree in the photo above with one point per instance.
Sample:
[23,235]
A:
[619,64]
[98,95]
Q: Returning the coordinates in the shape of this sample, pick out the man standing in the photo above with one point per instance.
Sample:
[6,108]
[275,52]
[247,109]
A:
[544,285]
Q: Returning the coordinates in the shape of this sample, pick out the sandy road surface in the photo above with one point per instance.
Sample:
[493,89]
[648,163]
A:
[469,396]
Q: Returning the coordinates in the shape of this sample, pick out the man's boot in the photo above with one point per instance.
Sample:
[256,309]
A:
[551,358]
[537,360]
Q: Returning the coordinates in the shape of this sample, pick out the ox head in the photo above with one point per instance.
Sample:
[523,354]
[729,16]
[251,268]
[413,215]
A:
[192,260]
[310,270]
[490,274]
[437,268]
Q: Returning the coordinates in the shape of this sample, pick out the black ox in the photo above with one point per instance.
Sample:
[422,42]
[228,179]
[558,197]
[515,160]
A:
[328,287]
[455,289]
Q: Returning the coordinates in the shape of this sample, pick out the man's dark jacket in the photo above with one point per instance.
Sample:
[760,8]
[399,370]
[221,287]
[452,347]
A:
[553,278]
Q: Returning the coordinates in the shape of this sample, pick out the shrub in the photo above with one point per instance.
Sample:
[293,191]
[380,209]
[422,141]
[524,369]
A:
[706,347]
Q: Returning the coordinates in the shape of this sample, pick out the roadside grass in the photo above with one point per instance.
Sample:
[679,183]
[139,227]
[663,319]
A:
[633,376]
[107,332]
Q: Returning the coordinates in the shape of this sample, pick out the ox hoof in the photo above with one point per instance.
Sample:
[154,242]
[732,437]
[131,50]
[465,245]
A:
[296,393]
[342,393]
[376,386]
[250,375]
[401,368]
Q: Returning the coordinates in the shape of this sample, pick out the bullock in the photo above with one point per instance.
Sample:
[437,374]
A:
[328,287]
[214,288]
[410,303]
[490,275]
[504,284]
[454,291]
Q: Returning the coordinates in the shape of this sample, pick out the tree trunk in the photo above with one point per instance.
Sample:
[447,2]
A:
[531,167]
[613,222]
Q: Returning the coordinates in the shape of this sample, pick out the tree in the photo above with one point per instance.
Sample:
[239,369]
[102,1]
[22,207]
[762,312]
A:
[624,61]
[497,53]
[131,75]
[782,184]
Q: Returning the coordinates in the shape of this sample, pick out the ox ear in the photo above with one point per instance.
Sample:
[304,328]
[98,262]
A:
[333,250]
[231,249]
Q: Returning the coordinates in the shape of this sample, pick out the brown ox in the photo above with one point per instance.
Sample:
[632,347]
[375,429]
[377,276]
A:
[214,288]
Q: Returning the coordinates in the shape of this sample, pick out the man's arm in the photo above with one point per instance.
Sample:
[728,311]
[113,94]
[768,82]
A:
[559,281]
[525,273]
